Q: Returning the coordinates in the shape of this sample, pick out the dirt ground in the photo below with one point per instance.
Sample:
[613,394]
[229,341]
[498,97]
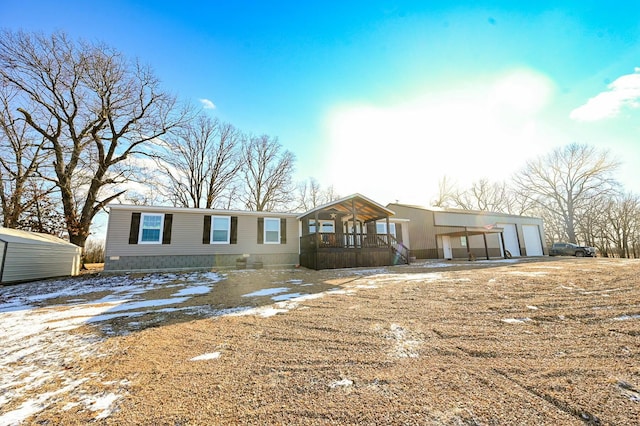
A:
[552,341]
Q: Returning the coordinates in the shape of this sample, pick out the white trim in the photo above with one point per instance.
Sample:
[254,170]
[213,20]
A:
[264,235]
[218,212]
[142,216]
[228,241]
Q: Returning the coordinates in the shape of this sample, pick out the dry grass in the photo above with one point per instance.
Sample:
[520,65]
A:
[549,342]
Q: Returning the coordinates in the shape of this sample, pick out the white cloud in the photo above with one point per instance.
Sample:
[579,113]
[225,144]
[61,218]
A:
[623,92]
[207,104]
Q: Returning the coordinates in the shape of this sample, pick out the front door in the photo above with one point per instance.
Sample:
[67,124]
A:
[446,247]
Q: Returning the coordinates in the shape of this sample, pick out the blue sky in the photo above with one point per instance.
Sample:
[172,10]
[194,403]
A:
[385,98]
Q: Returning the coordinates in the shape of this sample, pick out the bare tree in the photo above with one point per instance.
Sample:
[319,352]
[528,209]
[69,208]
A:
[446,193]
[565,181]
[201,160]
[267,173]
[485,196]
[623,215]
[310,195]
[93,107]
[21,156]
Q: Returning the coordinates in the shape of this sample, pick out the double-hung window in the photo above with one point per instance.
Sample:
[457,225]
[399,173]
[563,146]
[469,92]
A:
[271,230]
[150,228]
[220,229]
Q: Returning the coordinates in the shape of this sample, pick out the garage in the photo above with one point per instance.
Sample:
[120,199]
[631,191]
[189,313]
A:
[532,242]
[28,256]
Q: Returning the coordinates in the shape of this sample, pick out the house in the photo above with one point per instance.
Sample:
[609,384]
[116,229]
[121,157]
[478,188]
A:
[450,233]
[28,256]
[352,231]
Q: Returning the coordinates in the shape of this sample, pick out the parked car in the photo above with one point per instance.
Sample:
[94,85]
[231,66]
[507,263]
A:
[570,249]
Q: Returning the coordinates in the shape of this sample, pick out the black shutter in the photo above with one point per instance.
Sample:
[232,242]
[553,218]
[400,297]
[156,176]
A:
[233,239]
[206,231]
[398,232]
[166,231]
[283,231]
[135,228]
[261,230]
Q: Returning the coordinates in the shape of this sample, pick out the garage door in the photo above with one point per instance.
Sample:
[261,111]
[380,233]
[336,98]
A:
[510,237]
[532,243]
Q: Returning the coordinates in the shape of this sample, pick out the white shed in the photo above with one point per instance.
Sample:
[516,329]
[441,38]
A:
[27,256]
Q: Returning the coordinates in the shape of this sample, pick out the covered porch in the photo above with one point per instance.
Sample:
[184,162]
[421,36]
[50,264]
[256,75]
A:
[351,232]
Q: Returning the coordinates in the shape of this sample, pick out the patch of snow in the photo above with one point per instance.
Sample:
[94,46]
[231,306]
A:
[296,281]
[104,404]
[190,291]
[287,296]
[627,317]
[533,308]
[206,357]
[266,292]
[341,383]
[404,347]
[516,320]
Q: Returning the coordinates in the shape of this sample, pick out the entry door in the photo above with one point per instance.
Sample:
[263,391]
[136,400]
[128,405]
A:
[446,247]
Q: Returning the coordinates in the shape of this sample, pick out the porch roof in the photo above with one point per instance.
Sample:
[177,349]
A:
[366,210]
[471,231]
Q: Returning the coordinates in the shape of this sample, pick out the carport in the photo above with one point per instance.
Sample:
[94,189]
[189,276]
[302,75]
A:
[467,232]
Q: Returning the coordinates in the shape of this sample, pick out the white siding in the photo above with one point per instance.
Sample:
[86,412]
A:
[27,261]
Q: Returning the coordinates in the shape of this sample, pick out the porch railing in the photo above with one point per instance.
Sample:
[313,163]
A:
[331,240]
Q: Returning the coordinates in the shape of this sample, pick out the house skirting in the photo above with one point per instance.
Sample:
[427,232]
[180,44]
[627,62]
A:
[195,262]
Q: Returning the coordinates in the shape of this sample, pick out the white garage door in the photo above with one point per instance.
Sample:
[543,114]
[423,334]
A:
[532,242]
[510,238]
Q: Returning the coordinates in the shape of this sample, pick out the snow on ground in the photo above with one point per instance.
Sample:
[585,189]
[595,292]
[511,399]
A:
[39,349]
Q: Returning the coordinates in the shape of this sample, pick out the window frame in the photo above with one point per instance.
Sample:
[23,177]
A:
[265,230]
[392,228]
[142,228]
[228,240]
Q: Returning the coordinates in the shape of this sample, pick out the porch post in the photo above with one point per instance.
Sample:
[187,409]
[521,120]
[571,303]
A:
[388,233]
[355,228]
[317,226]
[486,248]
[466,237]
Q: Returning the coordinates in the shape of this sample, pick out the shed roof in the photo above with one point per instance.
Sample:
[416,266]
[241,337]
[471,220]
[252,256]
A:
[25,237]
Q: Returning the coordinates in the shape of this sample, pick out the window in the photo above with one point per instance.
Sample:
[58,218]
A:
[463,241]
[326,226]
[271,231]
[381,228]
[150,228]
[220,229]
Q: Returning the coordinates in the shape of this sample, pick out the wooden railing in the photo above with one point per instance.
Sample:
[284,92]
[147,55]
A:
[331,240]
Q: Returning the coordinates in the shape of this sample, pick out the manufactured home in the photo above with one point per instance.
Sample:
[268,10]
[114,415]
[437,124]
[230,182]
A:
[28,256]
[352,231]
[437,233]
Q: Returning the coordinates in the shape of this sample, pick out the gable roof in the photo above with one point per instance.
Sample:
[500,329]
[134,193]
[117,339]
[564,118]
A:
[10,235]
[367,209]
